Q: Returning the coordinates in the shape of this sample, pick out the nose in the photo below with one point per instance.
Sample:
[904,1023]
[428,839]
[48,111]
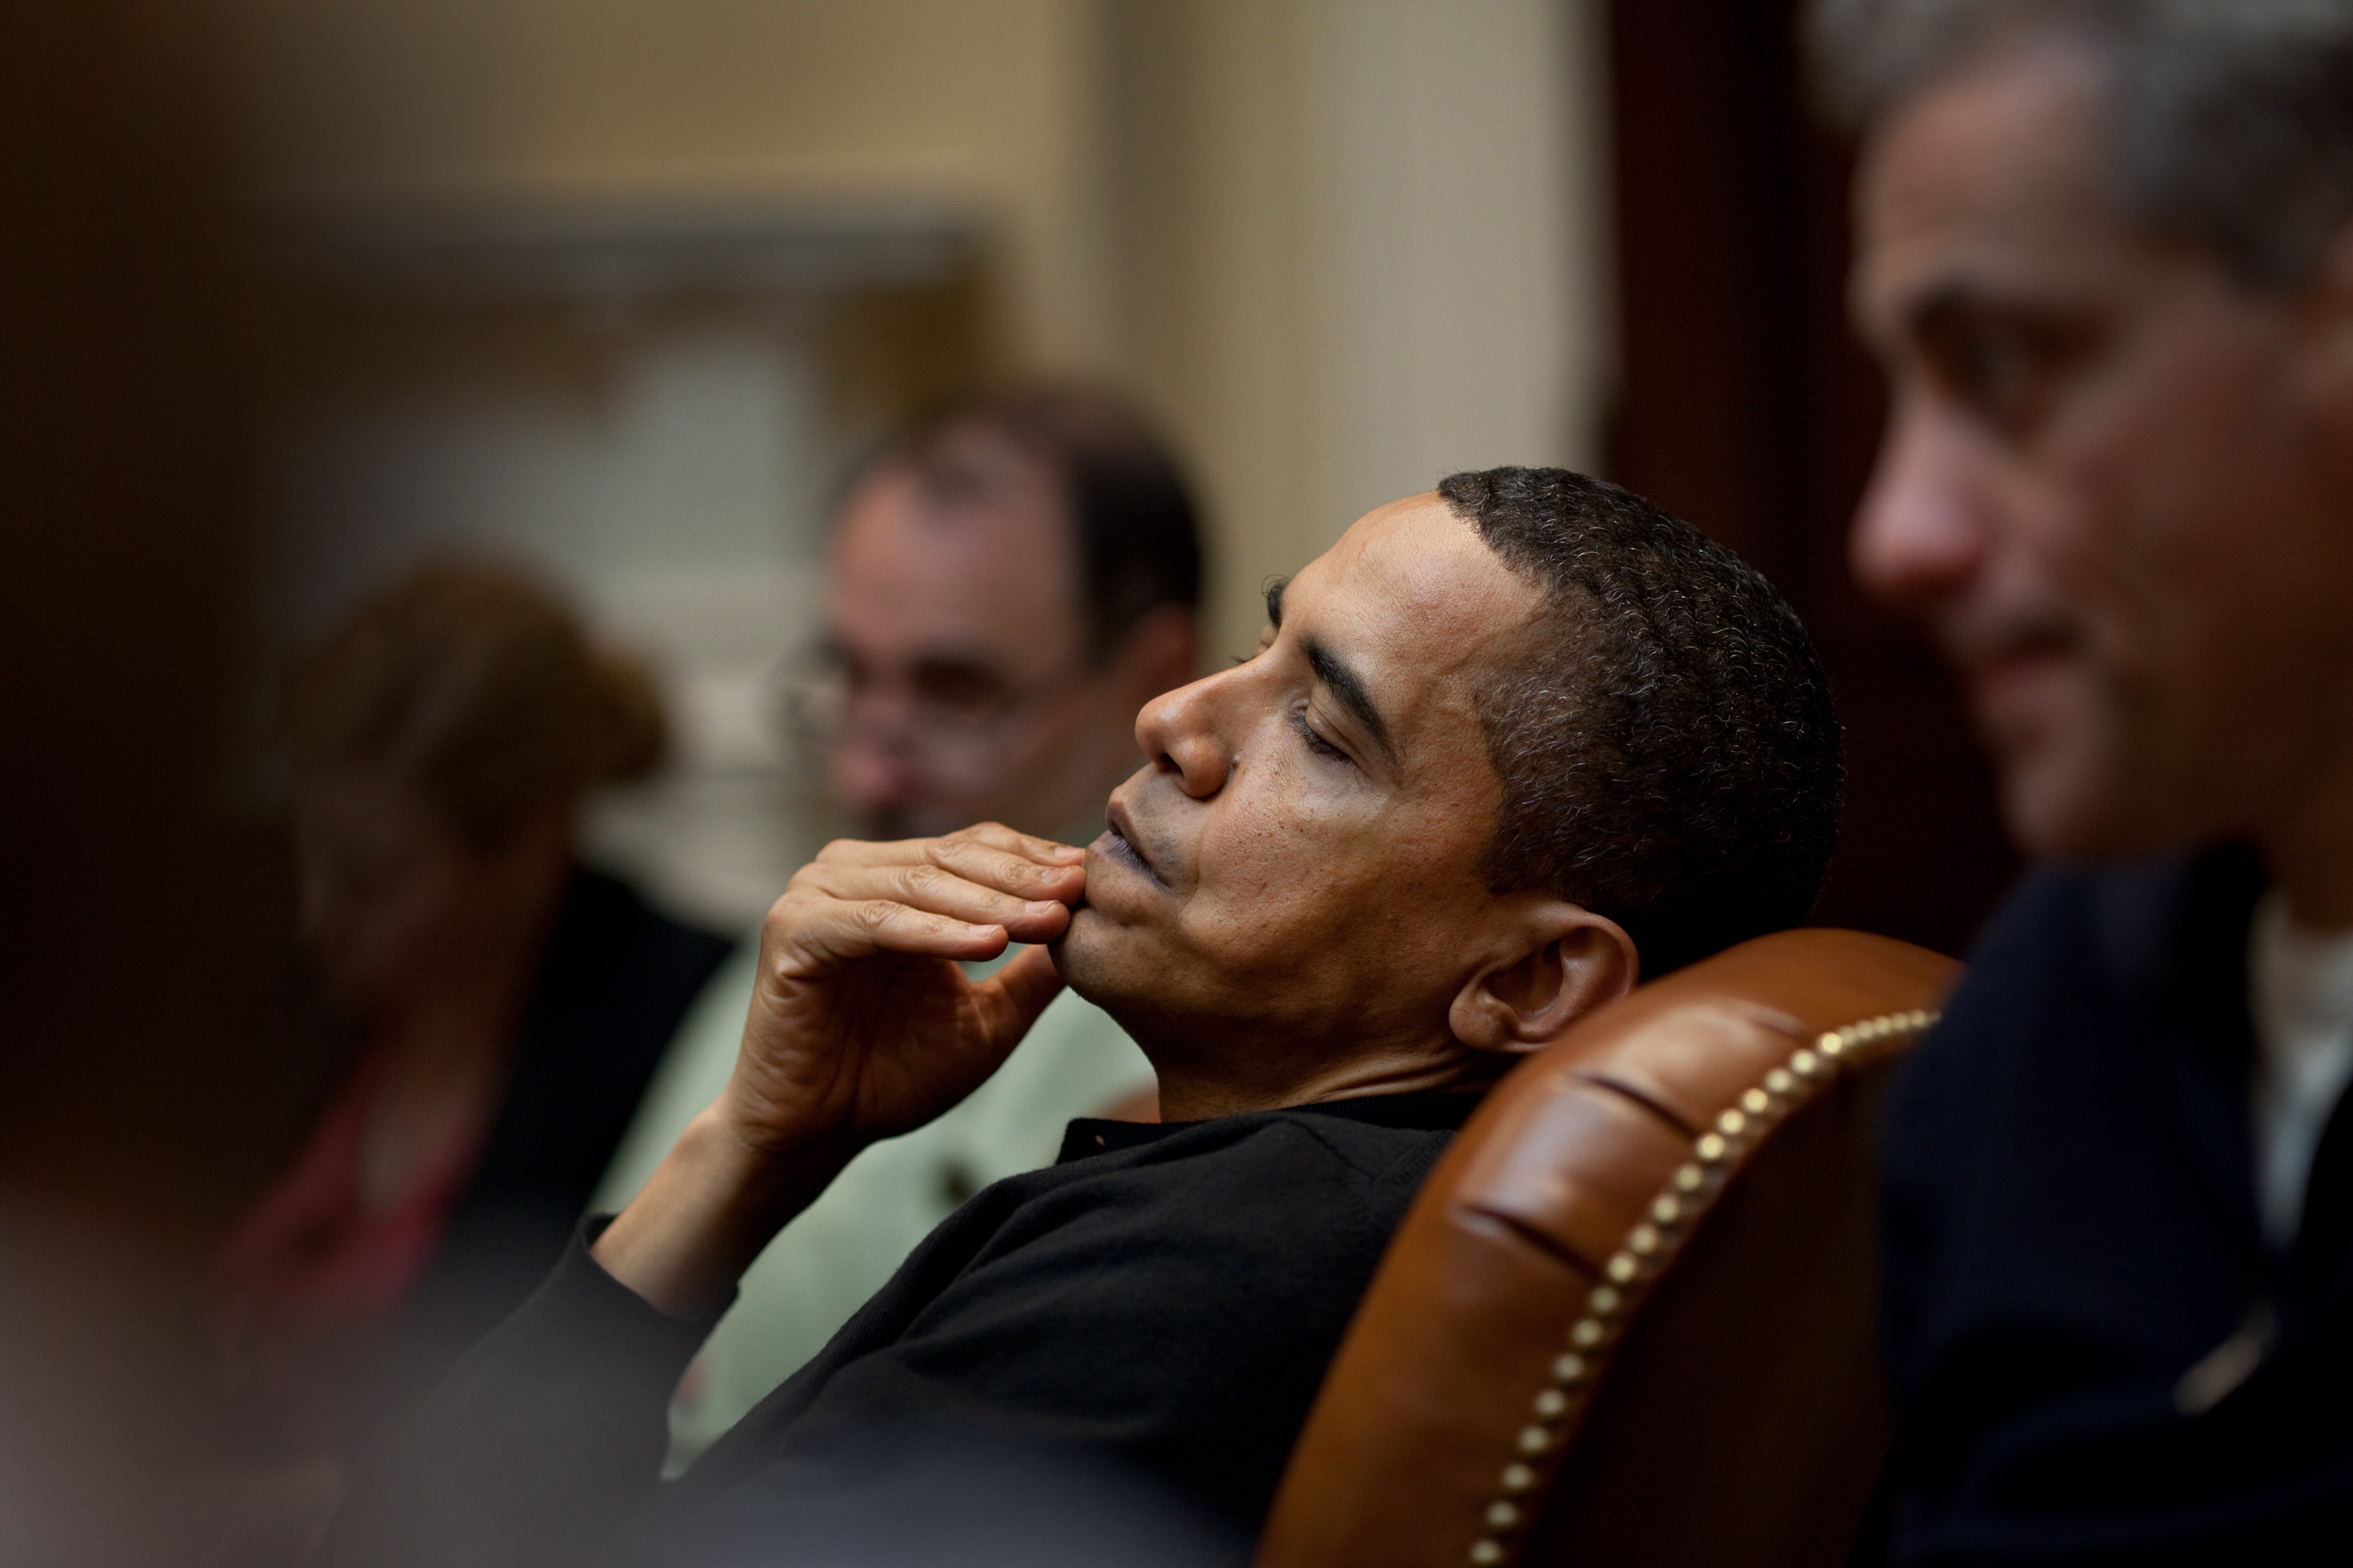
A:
[870,776]
[1921,532]
[1181,731]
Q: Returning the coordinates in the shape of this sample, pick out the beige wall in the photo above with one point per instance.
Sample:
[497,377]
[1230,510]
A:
[1362,246]
[985,106]
[1340,246]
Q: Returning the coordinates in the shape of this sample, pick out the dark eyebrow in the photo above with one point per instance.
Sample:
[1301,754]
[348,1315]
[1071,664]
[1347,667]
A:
[1957,301]
[1349,690]
[1274,600]
[1946,307]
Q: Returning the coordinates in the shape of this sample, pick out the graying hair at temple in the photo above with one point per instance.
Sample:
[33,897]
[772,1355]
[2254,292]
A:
[2228,122]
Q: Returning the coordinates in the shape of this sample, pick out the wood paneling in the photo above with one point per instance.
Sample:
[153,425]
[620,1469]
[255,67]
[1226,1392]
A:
[1746,406]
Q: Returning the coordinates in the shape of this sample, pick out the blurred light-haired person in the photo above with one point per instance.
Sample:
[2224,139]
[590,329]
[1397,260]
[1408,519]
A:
[509,1005]
[1011,578]
[2105,252]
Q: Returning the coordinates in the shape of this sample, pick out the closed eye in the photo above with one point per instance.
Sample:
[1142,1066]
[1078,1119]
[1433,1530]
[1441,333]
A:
[1315,742]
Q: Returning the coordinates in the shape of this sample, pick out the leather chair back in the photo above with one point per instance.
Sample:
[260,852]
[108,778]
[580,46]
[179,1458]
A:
[1630,1318]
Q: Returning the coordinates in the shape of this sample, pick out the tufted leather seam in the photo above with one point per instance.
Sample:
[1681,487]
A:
[1649,1249]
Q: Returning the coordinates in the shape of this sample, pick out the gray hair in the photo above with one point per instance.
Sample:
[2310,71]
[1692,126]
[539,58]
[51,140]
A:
[2228,122]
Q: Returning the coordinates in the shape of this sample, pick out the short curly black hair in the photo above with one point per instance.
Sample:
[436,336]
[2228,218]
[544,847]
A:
[1669,751]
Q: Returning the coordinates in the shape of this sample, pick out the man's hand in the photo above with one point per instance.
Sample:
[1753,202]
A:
[862,1027]
[862,1024]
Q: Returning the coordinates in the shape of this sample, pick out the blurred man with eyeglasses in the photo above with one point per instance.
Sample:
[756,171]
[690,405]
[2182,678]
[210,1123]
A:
[1012,578]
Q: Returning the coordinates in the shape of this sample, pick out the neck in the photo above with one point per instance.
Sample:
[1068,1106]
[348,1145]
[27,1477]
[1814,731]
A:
[444,1057]
[1192,1090]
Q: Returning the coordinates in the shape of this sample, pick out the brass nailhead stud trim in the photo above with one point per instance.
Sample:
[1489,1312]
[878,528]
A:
[1817,1062]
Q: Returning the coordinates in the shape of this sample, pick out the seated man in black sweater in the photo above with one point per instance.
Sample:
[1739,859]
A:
[1496,744]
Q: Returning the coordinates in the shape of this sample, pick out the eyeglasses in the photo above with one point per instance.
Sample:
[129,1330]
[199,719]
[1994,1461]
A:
[938,706]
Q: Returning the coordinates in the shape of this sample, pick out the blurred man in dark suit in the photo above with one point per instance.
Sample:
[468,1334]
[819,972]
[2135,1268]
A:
[2105,253]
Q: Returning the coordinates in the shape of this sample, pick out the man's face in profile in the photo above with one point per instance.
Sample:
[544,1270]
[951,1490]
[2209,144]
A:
[1301,859]
[2114,482]
[961,684]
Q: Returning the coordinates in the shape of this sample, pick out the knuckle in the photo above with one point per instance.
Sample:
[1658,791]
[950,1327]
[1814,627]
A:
[964,858]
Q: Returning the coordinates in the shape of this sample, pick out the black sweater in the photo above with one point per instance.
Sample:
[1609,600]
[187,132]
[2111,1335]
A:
[2071,1224]
[1164,1298]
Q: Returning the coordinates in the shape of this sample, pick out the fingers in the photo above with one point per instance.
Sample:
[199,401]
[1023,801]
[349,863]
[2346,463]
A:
[1044,850]
[933,890]
[966,877]
[1009,870]
[826,931]
[1024,987]
[996,836]
[962,897]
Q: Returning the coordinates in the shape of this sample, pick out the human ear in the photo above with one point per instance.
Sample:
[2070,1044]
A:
[1567,962]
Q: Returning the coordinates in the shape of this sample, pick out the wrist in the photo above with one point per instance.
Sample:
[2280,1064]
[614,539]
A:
[715,1201]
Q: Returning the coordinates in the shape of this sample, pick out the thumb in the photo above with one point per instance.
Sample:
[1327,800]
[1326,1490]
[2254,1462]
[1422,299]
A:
[1022,988]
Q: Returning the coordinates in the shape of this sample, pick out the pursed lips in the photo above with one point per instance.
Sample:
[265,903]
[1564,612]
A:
[1118,843]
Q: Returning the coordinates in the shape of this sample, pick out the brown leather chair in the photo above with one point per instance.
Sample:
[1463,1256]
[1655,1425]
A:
[1629,1319]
